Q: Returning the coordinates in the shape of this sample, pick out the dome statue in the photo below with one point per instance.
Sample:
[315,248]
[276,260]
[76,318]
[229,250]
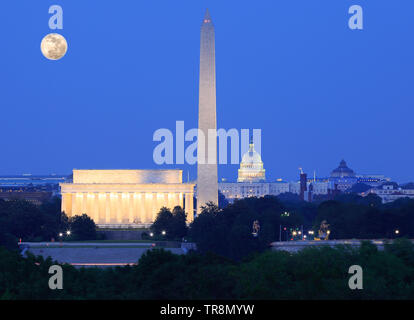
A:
[251,167]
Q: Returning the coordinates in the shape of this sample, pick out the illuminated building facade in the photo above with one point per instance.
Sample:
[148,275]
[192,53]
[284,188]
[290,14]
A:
[389,193]
[126,198]
[207,189]
[251,167]
[343,177]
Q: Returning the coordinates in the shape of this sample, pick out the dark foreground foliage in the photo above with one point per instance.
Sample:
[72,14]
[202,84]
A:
[310,274]
[22,220]
[228,231]
[172,223]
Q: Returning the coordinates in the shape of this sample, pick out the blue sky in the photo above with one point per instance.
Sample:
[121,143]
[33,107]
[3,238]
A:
[319,91]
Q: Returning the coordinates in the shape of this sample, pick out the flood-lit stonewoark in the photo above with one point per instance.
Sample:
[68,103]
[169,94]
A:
[119,198]
[207,188]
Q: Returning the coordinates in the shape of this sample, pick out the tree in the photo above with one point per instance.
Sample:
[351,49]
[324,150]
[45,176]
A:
[289,197]
[162,221]
[82,227]
[178,228]
[21,219]
[228,231]
[222,200]
[173,223]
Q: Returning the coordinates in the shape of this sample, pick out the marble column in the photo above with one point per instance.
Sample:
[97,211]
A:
[101,208]
[159,204]
[114,200]
[170,201]
[138,207]
[148,207]
[67,203]
[84,203]
[96,206]
[177,200]
[119,208]
[89,206]
[131,207]
[189,207]
[107,207]
[124,212]
[141,207]
[154,207]
[192,205]
[165,200]
[76,206]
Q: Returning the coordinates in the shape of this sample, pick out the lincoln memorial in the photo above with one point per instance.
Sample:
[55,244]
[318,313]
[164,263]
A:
[126,198]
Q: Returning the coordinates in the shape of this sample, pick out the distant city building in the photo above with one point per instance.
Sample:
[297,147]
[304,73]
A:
[373,180]
[389,192]
[34,182]
[303,179]
[35,197]
[239,190]
[126,198]
[33,188]
[251,182]
[343,177]
[251,167]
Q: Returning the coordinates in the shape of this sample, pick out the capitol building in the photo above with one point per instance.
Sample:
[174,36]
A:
[251,181]
[251,167]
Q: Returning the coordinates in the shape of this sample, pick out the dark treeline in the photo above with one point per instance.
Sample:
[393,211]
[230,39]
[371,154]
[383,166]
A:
[228,231]
[349,216]
[230,262]
[22,220]
[310,274]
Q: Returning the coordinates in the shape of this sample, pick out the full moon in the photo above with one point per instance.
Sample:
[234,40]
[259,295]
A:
[54,46]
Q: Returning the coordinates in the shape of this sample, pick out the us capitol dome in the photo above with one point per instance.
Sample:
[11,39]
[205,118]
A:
[251,167]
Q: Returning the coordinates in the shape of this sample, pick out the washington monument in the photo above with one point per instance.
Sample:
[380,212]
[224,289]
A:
[207,182]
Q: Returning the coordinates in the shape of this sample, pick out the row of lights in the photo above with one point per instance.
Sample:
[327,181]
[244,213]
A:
[311,232]
[162,232]
[67,233]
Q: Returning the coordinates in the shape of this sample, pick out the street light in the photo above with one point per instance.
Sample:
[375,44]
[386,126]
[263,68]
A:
[397,231]
[61,234]
[151,234]
[163,232]
[68,232]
